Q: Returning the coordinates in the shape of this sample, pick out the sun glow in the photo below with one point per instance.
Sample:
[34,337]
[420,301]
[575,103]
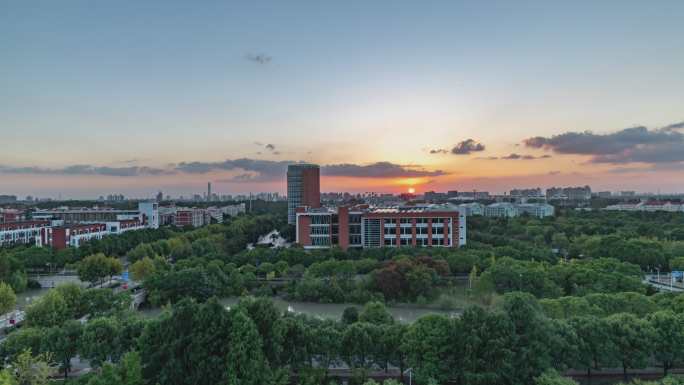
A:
[411,190]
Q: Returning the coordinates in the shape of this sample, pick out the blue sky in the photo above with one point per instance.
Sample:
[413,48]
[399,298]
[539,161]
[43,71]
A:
[126,84]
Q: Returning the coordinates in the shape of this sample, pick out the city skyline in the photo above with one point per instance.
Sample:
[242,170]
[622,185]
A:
[133,99]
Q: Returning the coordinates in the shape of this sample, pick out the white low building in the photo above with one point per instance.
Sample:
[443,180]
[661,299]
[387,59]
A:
[648,206]
[501,210]
[539,210]
[473,208]
[510,210]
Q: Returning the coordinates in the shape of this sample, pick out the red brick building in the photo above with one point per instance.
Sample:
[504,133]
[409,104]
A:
[75,235]
[365,227]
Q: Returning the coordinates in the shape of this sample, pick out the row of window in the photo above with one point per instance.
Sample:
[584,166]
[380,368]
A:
[419,242]
[419,230]
[393,221]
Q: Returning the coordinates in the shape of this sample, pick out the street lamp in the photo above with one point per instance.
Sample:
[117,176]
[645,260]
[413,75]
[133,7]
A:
[410,373]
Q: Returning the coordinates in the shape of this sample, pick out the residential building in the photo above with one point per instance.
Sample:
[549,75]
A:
[569,193]
[432,196]
[4,199]
[76,235]
[217,213]
[527,193]
[362,226]
[303,188]
[147,213]
[192,216]
[124,226]
[25,233]
[11,215]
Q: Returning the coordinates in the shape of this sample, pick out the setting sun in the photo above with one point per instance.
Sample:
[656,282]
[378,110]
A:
[411,190]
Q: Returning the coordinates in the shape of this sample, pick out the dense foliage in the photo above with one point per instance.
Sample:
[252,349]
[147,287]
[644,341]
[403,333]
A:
[550,295]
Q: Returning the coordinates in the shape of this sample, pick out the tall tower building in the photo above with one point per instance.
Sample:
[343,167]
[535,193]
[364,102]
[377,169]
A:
[303,188]
[208,191]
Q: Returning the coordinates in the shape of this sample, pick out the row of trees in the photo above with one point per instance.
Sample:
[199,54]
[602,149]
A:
[649,240]
[573,278]
[253,343]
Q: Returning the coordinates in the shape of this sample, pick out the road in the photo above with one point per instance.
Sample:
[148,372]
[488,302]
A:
[663,282]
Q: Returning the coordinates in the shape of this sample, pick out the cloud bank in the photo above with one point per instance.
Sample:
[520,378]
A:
[251,170]
[465,147]
[630,145]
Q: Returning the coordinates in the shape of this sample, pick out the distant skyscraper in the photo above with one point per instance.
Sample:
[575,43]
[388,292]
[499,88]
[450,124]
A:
[160,196]
[208,191]
[303,188]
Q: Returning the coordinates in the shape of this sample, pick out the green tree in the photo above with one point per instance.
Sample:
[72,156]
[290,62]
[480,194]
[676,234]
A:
[376,313]
[326,344]
[358,344]
[669,337]
[429,345]
[391,348]
[532,332]
[99,340]
[127,372]
[633,338]
[483,347]
[142,269]
[203,344]
[265,316]
[296,342]
[62,342]
[350,315]
[94,268]
[7,377]
[17,342]
[246,363]
[8,300]
[73,296]
[594,344]
[49,310]
[32,370]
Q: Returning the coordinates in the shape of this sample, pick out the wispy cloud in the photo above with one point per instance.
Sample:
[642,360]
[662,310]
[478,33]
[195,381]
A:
[259,58]
[515,156]
[83,169]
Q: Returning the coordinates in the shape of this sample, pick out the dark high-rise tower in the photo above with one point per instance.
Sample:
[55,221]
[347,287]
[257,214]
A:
[303,188]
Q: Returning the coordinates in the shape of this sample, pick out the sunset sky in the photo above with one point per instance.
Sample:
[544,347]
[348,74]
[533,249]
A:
[134,97]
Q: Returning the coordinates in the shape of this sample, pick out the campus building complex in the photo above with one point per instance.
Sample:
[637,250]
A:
[71,227]
[303,188]
[362,226]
